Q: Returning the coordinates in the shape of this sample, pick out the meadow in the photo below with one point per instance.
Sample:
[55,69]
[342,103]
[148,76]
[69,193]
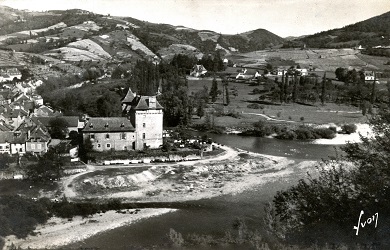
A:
[239,115]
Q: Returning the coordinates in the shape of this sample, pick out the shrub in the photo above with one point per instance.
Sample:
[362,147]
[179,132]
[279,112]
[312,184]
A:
[255,106]
[304,133]
[287,135]
[325,133]
[334,129]
[348,128]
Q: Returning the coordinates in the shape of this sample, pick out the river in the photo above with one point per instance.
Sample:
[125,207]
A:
[215,216]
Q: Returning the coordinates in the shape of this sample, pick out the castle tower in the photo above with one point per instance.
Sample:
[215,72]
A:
[146,115]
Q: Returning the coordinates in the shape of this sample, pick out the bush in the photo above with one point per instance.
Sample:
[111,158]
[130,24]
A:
[325,133]
[334,129]
[287,135]
[348,128]
[304,133]
[255,106]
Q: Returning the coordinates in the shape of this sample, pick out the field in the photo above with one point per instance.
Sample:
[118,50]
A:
[325,59]
[285,113]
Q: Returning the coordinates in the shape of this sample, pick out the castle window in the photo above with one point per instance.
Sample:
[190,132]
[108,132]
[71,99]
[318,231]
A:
[92,136]
[106,125]
[108,145]
[39,146]
[122,125]
[107,136]
[144,125]
[32,146]
[123,136]
[143,135]
[98,145]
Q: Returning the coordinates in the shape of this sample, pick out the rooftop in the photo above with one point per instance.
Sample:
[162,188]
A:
[108,124]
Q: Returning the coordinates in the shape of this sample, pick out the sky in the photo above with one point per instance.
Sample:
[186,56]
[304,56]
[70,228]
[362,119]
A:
[281,17]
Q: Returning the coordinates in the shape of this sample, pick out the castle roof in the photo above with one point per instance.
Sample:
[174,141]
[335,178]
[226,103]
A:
[129,97]
[146,102]
[108,124]
[137,102]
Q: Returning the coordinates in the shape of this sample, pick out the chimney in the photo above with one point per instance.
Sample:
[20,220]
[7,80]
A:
[152,102]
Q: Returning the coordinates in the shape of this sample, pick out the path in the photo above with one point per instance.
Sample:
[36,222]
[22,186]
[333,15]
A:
[267,117]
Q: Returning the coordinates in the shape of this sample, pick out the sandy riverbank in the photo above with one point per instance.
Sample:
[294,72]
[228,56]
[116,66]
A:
[59,232]
[340,139]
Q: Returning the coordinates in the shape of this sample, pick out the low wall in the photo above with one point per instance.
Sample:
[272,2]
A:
[170,158]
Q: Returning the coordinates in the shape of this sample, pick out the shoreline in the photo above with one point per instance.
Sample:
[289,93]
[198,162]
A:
[363,129]
[59,232]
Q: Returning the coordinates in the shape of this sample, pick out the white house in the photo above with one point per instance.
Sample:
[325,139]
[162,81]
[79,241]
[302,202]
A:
[198,71]
[302,72]
[369,75]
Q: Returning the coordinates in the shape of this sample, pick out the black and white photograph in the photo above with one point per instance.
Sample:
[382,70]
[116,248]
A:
[195,124]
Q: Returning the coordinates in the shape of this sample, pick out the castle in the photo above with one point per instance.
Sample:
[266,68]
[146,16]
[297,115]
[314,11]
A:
[140,127]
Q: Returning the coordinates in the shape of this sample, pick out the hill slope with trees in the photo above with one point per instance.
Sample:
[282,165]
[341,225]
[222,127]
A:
[368,33]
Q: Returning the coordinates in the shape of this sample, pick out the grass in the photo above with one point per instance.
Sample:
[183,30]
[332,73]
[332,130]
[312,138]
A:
[24,187]
[317,114]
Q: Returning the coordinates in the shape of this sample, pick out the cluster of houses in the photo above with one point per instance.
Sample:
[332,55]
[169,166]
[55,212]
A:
[10,74]
[25,123]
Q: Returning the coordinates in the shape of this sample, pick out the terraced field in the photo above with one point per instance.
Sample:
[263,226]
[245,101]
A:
[325,59]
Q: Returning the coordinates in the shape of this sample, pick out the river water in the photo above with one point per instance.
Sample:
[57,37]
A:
[215,216]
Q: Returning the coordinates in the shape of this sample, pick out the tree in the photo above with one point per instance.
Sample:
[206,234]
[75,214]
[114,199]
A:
[341,74]
[334,199]
[58,128]
[200,109]
[109,104]
[373,90]
[226,99]
[48,168]
[323,89]
[214,90]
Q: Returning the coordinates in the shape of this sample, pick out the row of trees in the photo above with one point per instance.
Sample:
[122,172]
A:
[312,89]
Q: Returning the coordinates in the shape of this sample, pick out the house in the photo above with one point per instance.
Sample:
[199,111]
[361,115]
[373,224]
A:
[6,136]
[18,143]
[15,117]
[44,111]
[302,72]
[281,71]
[140,128]
[74,122]
[37,136]
[369,76]
[198,71]
[248,73]
[9,74]
[110,133]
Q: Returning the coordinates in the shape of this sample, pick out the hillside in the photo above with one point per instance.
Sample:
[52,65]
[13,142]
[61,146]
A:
[62,35]
[369,33]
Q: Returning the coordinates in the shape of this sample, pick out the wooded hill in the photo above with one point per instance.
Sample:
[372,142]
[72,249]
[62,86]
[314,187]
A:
[371,32]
